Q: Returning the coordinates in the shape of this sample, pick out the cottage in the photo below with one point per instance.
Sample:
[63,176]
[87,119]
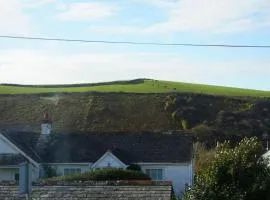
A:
[164,156]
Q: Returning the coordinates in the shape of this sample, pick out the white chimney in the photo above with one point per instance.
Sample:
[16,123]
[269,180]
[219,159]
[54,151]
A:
[46,125]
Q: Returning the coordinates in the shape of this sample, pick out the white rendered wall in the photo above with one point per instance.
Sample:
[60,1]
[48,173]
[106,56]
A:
[8,174]
[61,167]
[6,148]
[179,174]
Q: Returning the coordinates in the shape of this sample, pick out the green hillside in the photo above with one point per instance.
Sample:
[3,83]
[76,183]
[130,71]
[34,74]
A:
[135,86]
[209,112]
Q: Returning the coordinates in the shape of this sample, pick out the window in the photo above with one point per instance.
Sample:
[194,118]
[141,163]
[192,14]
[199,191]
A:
[69,171]
[155,174]
[17,177]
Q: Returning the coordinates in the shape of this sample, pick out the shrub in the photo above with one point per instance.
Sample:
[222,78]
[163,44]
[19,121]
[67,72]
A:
[201,131]
[202,156]
[177,115]
[184,124]
[134,167]
[49,171]
[238,173]
[102,175]
[245,106]
[169,105]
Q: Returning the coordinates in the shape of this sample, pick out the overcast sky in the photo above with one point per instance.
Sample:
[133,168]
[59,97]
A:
[166,21]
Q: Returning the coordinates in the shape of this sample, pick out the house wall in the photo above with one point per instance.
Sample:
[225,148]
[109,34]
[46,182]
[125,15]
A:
[6,148]
[35,172]
[8,174]
[60,167]
[179,174]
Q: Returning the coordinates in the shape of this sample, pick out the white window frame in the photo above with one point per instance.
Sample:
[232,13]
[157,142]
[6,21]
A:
[148,172]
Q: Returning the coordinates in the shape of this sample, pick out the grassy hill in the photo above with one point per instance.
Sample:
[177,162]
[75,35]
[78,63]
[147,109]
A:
[209,112]
[86,111]
[134,86]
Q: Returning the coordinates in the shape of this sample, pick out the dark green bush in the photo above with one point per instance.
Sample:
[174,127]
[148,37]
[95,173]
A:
[134,167]
[102,175]
[49,171]
[202,131]
[238,173]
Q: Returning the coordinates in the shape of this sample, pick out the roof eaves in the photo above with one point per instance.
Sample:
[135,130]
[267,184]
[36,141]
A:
[18,149]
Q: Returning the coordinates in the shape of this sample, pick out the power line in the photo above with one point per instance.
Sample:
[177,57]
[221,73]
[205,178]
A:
[133,43]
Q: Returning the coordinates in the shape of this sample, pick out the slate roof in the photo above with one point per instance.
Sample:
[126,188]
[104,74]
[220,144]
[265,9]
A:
[26,141]
[89,147]
[11,159]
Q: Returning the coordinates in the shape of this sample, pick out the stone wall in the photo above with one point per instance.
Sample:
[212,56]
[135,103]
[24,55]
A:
[153,191]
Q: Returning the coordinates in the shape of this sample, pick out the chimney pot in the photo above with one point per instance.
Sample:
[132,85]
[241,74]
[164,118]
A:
[46,125]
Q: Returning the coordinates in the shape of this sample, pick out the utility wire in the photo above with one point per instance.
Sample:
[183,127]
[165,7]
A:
[133,43]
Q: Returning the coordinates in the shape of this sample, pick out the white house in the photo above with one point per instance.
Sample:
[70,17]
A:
[11,156]
[266,156]
[161,155]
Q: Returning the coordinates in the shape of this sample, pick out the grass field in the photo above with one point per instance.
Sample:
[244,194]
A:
[143,86]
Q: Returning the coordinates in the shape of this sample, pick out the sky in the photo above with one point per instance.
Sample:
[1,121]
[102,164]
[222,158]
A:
[163,21]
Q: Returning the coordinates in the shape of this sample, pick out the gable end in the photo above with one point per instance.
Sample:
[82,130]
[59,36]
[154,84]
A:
[108,160]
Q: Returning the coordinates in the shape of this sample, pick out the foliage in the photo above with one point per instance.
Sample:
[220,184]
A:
[184,124]
[102,175]
[202,156]
[238,173]
[49,171]
[173,195]
[169,104]
[245,106]
[201,131]
[134,167]
[175,115]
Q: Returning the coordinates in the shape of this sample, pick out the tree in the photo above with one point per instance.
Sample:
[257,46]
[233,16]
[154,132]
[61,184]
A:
[134,167]
[238,173]
[49,171]
[202,156]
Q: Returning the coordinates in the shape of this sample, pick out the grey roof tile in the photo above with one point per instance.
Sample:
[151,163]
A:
[89,147]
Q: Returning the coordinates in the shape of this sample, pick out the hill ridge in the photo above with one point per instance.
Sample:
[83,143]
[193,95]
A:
[141,85]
